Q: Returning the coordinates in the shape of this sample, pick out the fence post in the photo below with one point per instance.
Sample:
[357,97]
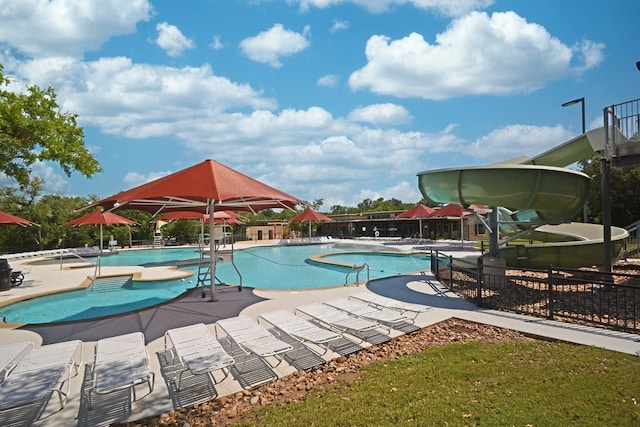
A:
[450,271]
[550,304]
[479,282]
[434,264]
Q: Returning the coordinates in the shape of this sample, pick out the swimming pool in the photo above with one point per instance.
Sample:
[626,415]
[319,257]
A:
[266,267]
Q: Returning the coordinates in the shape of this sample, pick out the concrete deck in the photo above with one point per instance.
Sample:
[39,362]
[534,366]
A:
[421,288]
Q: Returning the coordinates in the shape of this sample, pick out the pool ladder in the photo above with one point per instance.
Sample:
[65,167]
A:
[357,268]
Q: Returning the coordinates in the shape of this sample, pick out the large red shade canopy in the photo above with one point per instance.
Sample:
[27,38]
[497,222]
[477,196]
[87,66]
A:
[199,187]
[7,218]
[205,187]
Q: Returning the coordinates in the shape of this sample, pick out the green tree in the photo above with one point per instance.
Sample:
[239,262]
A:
[33,128]
[624,193]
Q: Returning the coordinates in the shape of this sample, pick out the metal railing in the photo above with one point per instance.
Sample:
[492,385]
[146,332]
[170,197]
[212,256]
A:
[358,269]
[632,241]
[595,298]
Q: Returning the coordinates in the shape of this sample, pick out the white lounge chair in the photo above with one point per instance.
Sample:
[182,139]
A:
[300,329]
[120,362]
[198,351]
[251,337]
[366,311]
[43,371]
[10,354]
[404,308]
[340,321]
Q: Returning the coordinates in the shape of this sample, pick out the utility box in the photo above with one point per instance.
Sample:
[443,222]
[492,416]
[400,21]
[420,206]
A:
[5,275]
[494,272]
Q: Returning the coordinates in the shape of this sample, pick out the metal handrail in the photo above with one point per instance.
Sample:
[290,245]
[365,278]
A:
[357,268]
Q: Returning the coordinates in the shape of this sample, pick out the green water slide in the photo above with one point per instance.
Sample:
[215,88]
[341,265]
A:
[539,196]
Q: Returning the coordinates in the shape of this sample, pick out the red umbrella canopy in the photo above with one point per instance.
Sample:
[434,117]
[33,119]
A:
[7,218]
[449,210]
[418,211]
[227,217]
[196,187]
[219,216]
[100,218]
[310,215]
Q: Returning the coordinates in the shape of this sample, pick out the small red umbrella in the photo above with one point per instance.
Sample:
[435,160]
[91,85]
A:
[419,211]
[450,210]
[309,215]
[7,218]
[100,218]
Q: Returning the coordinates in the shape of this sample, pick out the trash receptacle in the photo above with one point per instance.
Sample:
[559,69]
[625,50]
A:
[5,275]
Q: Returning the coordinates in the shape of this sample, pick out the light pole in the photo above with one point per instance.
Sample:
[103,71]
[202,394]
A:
[583,163]
[575,101]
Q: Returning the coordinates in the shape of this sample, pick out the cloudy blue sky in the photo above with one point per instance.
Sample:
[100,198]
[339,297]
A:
[339,100]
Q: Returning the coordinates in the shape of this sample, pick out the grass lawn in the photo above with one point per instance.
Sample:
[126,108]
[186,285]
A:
[513,384]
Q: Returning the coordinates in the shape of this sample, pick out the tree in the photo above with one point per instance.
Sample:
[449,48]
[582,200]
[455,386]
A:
[624,193]
[32,129]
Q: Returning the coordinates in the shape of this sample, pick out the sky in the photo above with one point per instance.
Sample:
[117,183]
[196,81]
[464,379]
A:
[338,100]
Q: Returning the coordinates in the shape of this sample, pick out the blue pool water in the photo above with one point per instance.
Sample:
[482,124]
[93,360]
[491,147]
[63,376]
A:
[268,267]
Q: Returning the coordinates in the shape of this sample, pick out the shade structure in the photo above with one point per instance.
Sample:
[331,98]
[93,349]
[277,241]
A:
[205,187]
[309,215]
[227,217]
[199,187]
[449,210]
[183,215]
[98,217]
[419,212]
[452,210]
[9,219]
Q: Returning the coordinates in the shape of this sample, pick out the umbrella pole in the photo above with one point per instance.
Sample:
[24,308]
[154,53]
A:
[100,254]
[212,251]
[420,225]
[309,229]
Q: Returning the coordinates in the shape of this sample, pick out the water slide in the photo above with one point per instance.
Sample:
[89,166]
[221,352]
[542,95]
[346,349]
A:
[537,198]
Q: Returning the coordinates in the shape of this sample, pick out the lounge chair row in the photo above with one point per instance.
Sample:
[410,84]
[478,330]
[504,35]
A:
[304,240]
[36,254]
[282,334]
[32,375]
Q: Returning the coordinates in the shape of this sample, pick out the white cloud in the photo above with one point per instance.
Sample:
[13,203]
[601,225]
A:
[339,25]
[114,94]
[134,179]
[54,182]
[67,27]
[270,46]
[591,54]
[216,43]
[501,54]
[330,80]
[516,140]
[444,7]
[381,114]
[171,39]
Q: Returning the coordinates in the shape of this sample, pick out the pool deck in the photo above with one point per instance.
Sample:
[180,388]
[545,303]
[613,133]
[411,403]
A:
[419,288]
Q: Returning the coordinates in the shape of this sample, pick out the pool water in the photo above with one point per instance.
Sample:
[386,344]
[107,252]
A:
[268,267]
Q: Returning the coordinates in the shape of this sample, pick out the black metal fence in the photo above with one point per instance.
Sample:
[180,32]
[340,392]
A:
[595,298]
